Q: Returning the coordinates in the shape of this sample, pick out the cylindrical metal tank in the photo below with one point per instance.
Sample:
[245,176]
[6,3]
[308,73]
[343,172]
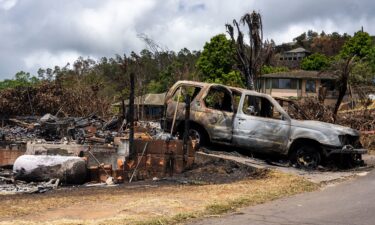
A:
[69,169]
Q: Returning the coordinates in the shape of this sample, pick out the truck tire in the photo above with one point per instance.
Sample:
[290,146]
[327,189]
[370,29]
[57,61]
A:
[306,157]
[199,135]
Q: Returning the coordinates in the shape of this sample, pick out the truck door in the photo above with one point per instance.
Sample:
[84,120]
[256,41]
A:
[218,113]
[259,125]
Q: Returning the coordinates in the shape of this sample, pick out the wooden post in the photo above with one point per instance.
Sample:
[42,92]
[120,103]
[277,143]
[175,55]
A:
[131,117]
[176,108]
[187,128]
[123,109]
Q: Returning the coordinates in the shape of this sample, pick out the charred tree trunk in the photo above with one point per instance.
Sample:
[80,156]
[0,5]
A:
[249,61]
[343,85]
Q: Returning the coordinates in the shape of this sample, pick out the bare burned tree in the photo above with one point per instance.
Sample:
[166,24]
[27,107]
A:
[151,44]
[249,58]
[343,69]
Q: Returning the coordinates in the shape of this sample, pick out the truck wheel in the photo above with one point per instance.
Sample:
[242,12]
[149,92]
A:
[306,157]
[198,135]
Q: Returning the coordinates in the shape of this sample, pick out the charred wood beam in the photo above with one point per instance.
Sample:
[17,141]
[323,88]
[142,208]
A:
[187,128]
[131,116]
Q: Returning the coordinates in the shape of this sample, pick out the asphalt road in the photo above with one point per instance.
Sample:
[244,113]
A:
[351,202]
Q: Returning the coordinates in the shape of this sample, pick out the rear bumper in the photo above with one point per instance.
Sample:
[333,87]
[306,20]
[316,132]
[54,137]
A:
[346,149]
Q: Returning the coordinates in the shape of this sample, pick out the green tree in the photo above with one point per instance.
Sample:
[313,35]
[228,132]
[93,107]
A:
[217,60]
[371,59]
[233,78]
[350,64]
[21,79]
[315,61]
[360,45]
[362,73]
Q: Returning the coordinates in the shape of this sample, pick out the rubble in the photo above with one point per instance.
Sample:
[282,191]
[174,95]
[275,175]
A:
[159,158]
[28,188]
[213,170]
[88,129]
[311,109]
[10,186]
[98,146]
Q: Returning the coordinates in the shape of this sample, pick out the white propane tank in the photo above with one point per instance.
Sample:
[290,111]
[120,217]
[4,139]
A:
[36,168]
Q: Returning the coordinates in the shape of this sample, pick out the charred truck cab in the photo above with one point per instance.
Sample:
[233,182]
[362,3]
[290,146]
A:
[255,121]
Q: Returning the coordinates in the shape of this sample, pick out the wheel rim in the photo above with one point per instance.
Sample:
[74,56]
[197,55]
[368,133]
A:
[308,159]
[195,136]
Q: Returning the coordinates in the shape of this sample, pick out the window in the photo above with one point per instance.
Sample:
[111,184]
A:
[192,91]
[284,83]
[310,86]
[259,106]
[219,98]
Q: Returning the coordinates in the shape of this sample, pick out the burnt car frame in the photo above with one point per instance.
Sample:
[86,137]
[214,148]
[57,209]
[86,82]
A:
[255,121]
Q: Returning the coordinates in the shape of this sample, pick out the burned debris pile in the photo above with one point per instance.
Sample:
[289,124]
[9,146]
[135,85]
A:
[362,119]
[77,150]
[313,109]
[52,128]
[217,171]
[9,185]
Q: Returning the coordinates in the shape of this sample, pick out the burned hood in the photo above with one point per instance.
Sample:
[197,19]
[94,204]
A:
[325,127]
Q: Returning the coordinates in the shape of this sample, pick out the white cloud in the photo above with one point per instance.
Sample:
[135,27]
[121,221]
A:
[113,25]
[7,4]
[44,58]
[36,33]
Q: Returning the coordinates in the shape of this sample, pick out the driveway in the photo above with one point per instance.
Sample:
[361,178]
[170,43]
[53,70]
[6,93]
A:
[351,202]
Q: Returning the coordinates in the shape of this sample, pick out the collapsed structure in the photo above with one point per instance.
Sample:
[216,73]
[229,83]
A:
[118,150]
[90,149]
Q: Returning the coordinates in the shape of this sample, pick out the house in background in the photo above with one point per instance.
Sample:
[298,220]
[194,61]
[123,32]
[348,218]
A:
[294,54]
[146,107]
[299,84]
[292,59]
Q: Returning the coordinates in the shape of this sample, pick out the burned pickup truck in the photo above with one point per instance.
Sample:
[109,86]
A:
[256,121]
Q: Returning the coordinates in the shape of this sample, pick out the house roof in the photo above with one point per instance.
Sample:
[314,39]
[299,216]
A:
[147,99]
[297,50]
[301,74]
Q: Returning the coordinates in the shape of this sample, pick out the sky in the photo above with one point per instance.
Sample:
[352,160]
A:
[45,33]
